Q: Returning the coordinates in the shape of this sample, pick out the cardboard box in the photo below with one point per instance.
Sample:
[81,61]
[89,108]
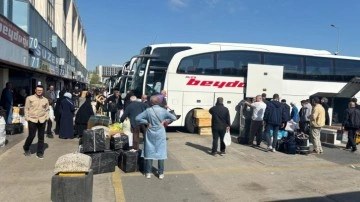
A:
[202,113]
[203,122]
[205,131]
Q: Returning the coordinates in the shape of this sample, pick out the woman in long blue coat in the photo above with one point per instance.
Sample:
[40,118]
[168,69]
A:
[67,110]
[155,138]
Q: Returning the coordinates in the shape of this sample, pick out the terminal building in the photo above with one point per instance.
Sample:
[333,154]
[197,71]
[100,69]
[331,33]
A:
[42,41]
[105,72]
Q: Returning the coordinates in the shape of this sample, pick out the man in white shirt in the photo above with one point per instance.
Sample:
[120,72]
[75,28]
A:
[256,126]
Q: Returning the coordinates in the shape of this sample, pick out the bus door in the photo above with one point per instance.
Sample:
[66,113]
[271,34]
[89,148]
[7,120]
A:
[264,79]
[261,79]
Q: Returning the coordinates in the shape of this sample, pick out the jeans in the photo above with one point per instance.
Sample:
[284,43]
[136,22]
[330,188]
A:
[216,134]
[275,129]
[114,117]
[8,115]
[40,128]
[148,166]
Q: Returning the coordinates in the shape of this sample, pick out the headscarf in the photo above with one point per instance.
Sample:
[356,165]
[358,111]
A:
[68,95]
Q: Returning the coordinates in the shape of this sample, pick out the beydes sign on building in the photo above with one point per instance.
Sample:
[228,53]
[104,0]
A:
[219,84]
[13,34]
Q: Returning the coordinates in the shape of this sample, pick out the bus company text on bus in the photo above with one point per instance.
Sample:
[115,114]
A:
[220,84]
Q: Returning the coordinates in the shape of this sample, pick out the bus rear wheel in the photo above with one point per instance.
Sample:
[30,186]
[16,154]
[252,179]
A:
[190,122]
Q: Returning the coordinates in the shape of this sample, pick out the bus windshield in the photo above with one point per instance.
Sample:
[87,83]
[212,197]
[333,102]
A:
[138,77]
[159,59]
[155,77]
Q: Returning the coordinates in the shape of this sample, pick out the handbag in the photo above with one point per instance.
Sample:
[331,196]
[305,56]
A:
[227,138]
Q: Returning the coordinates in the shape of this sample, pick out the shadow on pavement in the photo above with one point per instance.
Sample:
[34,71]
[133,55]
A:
[348,197]
[207,150]
[33,148]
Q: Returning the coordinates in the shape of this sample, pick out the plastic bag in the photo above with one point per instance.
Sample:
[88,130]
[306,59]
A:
[227,138]
[127,130]
[51,114]
[291,126]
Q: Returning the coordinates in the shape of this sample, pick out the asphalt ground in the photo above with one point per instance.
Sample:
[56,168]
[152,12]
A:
[191,174]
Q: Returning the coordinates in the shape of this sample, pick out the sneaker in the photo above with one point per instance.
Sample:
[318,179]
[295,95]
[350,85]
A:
[161,176]
[354,150]
[27,153]
[273,150]
[213,153]
[40,156]
[270,148]
[50,135]
[222,153]
[147,175]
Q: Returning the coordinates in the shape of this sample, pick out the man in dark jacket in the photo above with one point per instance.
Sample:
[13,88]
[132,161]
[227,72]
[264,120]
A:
[274,118]
[114,104]
[132,110]
[220,122]
[285,114]
[7,100]
[351,124]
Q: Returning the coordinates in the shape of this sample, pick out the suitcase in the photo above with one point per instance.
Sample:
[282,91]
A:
[93,140]
[243,140]
[72,189]
[14,128]
[290,145]
[129,161]
[119,142]
[303,150]
[98,121]
[103,162]
[280,145]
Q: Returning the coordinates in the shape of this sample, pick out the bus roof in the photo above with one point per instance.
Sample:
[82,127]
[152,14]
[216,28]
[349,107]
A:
[276,49]
[174,45]
[220,46]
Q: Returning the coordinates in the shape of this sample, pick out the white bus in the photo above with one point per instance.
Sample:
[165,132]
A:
[150,67]
[195,78]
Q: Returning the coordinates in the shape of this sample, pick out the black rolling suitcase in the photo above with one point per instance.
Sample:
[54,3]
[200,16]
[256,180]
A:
[103,162]
[93,141]
[129,161]
[14,128]
[302,146]
[290,144]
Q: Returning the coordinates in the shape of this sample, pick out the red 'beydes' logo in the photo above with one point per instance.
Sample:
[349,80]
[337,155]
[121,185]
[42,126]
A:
[219,84]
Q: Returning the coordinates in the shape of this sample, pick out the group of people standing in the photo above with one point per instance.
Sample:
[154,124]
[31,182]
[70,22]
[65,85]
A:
[270,117]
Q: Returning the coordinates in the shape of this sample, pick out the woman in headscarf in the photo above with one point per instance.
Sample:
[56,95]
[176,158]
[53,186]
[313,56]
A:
[83,115]
[67,110]
[155,139]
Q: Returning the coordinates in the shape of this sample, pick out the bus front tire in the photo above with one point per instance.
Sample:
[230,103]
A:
[190,122]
